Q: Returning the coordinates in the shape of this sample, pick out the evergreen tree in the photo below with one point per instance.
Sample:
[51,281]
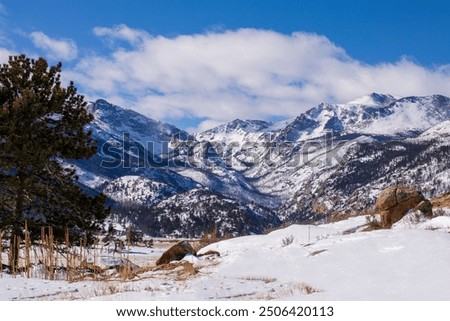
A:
[42,123]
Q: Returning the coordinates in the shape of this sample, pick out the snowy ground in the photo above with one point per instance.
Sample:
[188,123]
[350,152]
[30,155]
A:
[328,262]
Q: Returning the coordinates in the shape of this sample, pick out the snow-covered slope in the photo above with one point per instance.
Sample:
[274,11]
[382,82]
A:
[440,131]
[137,190]
[240,131]
[128,144]
[411,114]
[351,188]
[324,263]
[301,262]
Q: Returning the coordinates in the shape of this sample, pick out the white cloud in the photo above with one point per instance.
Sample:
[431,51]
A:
[5,54]
[65,49]
[246,73]
[204,125]
[121,32]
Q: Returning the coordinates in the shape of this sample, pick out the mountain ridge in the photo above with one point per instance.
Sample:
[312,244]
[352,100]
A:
[304,169]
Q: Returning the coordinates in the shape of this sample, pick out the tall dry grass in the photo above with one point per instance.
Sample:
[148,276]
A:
[27,250]
[46,258]
[209,237]
[12,255]
[67,260]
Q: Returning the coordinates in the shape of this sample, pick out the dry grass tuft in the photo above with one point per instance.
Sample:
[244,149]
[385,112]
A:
[439,212]
[314,253]
[306,288]
[181,270]
[372,223]
[288,240]
[210,237]
[288,290]
[264,279]
[271,229]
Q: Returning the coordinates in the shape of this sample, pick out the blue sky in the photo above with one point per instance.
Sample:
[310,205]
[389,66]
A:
[199,63]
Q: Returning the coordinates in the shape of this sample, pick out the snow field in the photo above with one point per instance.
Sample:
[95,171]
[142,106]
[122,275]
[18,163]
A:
[327,262]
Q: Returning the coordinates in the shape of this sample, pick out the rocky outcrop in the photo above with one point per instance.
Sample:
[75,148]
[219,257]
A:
[394,202]
[441,201]
[176,252]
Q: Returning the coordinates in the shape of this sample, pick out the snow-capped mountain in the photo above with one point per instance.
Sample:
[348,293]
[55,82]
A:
[239,131]
[129,144]
[374,114]
[114,123]
[330,160]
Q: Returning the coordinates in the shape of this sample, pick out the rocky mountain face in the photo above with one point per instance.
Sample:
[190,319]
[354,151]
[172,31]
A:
[198,212]
[247,175]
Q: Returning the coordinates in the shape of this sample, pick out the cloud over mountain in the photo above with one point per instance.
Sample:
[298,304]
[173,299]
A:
[245,73]
[214,77]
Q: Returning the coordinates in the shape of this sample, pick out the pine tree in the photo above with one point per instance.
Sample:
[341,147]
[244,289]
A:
[41,124]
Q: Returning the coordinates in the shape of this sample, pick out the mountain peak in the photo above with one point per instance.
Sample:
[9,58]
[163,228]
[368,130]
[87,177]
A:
[374,99]
[112,122]
[247,126]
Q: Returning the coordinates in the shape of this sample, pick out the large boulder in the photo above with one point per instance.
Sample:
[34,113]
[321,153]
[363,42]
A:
[394,202]
[176,252]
